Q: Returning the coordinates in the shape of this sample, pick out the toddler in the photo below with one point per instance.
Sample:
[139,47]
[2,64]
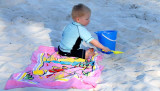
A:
[75,32]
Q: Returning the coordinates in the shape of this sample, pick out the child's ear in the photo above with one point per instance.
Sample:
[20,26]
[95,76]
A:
[77,19]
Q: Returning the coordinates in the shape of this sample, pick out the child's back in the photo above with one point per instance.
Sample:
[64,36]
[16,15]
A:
[75,32]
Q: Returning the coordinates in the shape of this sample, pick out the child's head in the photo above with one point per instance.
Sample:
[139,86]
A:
[81,14]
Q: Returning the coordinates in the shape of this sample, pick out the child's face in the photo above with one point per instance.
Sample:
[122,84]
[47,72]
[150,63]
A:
[84,20]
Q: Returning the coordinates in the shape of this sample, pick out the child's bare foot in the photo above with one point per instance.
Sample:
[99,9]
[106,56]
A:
[89,52]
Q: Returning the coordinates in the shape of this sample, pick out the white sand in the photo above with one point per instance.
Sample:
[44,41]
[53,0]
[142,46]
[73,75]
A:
[26,24]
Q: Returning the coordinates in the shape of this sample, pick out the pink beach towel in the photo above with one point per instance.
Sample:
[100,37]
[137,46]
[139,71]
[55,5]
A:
[50,70]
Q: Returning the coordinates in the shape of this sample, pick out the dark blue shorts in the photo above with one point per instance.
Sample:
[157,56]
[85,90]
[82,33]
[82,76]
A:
[80,53]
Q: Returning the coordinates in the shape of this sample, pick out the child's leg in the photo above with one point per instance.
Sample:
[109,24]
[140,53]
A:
[80,53]
[89,52]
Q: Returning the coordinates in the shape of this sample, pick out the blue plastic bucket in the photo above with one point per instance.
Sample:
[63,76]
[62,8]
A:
[107,38]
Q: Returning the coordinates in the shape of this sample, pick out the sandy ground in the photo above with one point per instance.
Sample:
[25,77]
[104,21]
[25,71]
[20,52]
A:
[27,24]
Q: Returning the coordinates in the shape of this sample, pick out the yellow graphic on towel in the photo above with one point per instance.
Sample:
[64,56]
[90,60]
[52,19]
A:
[52,58]
[59,76]
[24,74]
[72,60]
[41,61]
[39,72]
[63,79]
[94,56]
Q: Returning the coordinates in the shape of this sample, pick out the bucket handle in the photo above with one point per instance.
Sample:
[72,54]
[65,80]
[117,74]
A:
[107,37]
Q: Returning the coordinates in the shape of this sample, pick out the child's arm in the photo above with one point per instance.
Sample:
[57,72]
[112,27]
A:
[99,45]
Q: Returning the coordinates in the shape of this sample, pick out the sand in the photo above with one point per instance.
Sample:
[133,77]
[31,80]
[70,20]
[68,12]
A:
[27,24]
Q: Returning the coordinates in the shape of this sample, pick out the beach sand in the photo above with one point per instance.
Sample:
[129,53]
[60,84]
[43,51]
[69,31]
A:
[27,24]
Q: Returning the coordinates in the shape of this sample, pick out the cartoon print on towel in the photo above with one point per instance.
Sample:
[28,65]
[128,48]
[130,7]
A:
[51,67]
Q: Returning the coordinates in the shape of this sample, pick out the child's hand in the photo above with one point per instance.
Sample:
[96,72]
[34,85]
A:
[106,49]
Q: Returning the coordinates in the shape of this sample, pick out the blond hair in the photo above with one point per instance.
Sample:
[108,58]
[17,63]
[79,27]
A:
[79,11]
